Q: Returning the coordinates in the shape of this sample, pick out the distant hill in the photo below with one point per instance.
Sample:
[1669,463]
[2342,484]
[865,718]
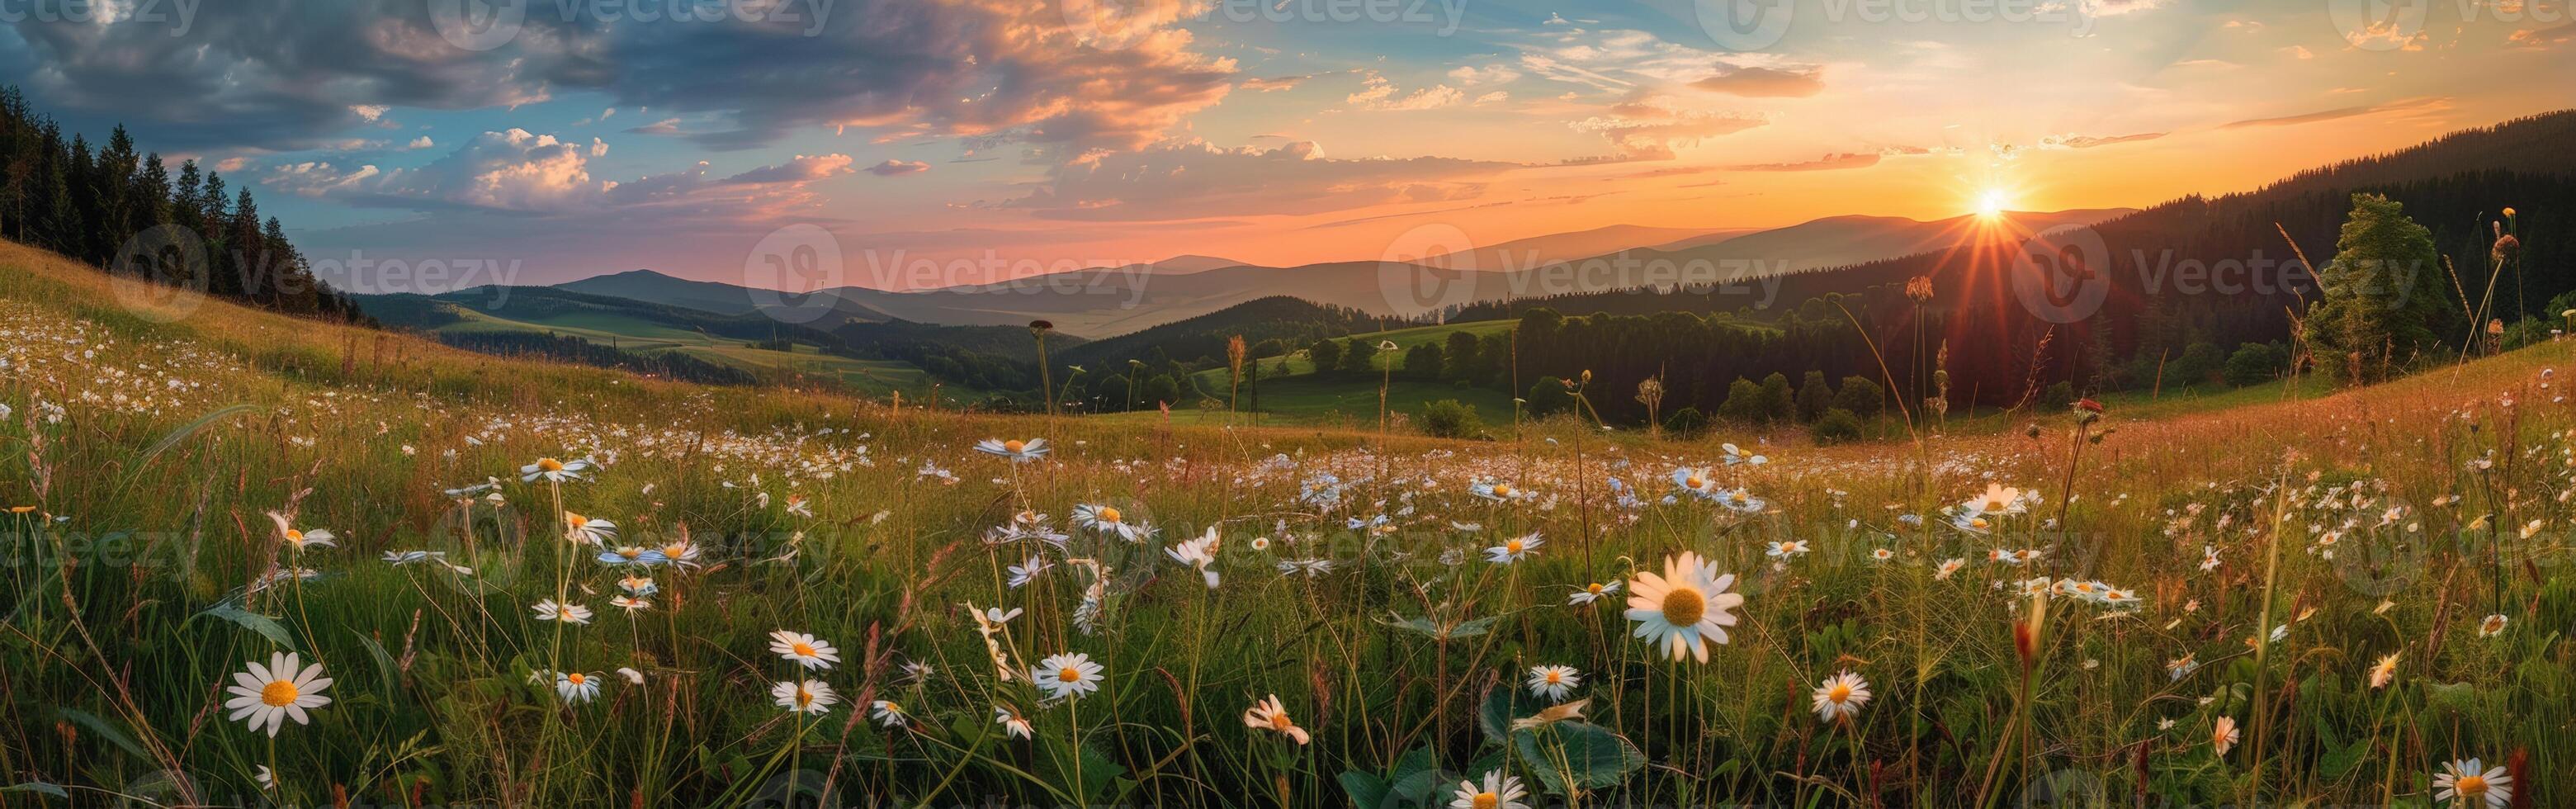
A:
[710,296]
[1279,317]
[1534,251]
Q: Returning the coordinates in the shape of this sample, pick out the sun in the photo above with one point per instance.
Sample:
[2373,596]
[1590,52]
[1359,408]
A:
[1991,203]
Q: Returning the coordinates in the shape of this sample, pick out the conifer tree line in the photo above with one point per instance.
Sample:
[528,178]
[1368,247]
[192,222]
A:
[123,210]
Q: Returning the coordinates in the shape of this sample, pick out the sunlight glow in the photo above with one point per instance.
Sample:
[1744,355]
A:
[1990,204]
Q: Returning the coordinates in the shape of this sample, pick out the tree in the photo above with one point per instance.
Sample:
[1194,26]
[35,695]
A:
[1548,397]
[1423,361]
[1359,356]
[1162,390]
[1835,427]
[2198,363]
[1450,418]
[1814,396]
[1745,403]
[1778,402]
[1326,353]
[1862,397]
[2385,299]
[2255,363]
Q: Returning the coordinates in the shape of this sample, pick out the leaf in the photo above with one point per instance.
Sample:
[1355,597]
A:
[38,787]
[252,621]
[113,734]
[385,668]
[181,434]
[1363,789]
[1439,631]
[1502,706]
[1578,756]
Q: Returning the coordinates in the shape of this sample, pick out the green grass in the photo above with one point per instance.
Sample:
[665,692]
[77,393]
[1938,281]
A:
[872,378]
[149,442]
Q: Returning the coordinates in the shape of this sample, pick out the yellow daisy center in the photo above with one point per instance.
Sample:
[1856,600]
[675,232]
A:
[803,696]
[2470,786]
[1739,495]
[1502,490]
[1069,674]
[1555,677]
[1513,546]
[1108,514]
[1695,482]
[1839,693]
[549,465]
[1485,800]
[576,678]
[1279,721]
[575,521]
[278,694]
[1684,606]
[630,553]
[675,550]
[1593,588]
[1996,504]
[295,536]
[1979,522]
[801,649]
[1014,445]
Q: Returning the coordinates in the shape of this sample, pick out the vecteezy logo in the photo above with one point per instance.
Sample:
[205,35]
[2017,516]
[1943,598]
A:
[789,271]
[2061,274]
[2378,25]
[1409,283]
[161,273]
[1745,25]
[478,25]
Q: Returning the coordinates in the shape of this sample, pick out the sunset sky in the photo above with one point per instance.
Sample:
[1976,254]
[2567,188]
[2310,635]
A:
[1059,134]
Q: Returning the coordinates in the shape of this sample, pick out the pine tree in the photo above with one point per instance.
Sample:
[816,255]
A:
[2383,294]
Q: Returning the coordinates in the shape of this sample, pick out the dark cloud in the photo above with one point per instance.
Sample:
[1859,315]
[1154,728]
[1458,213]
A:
[280,74]
[893,167]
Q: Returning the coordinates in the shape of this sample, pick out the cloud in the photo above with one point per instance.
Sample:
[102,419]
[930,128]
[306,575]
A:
[1376,93]
[520,173]
[2090,141]
[1831,162]
[1274,83]
[2344,112]
[277,75]
[1644,131]
[800,169]
[1182,179]
[1765,82]
[894,167]
[666,126]
[422,142]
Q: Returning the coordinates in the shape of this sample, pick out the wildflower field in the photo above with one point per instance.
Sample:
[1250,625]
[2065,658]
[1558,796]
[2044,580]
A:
[254,560]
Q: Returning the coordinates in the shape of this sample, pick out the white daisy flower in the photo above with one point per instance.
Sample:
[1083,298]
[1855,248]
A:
[268,695]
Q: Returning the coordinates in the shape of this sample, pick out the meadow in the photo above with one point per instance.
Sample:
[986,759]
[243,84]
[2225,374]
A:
[257,560]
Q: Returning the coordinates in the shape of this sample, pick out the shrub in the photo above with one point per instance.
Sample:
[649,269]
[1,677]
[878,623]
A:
[1548,397]
[1862,397]
[1835,427]
[1687,422]
[1450,418]
[2198,363]
[2255,363]
[1814,396]
[2058,396]
[1744,403]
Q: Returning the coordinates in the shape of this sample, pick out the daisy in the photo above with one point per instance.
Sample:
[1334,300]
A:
[271,694]
[1743,501]
[1269,714]
[2384,671]
[1022,574]
[630,603]
[1882,554]
[576,687]
[588,531]
[888,714]
[632,676]
[1497,491]
[679,552]
[554,471]
[2463,783]
[810,696]
[805,649]
[1840,696]
[1066,675]
[1999,500]
[302,540]
[1553,682]
[2492,626]
[1199,554]
[1514,549]
[1787,550]
[400,558]
[1592,592]
[1736,456]
[2222,735]
[1695,481]
[1107,521]
[548,610]
[1011,721]
[1498,792]
[997,615]
[1015,449]
[1683,608]
[638,586]
[1948,567]
[631,555]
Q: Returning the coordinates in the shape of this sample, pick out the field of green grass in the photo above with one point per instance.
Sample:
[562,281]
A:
[735,596]
[872,378]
